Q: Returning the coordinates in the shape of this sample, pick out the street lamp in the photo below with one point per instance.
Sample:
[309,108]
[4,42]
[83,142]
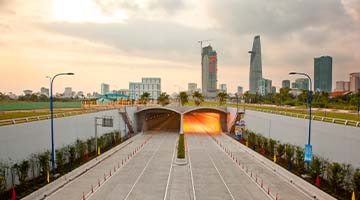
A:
[310,102]
[52,118]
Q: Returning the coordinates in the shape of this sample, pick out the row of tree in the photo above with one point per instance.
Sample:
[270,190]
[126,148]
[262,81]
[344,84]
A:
[32,173]
[340,180]
[320,99]
[183,98]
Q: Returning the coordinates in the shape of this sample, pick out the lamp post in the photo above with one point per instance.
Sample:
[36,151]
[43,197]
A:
[52,119]
[310,105]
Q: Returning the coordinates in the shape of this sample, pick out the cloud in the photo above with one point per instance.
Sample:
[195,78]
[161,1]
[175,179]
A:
[169,6]
[140,37]
[278,18]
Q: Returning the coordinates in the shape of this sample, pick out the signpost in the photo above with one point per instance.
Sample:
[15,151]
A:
[106,121]
[308,153]
[239,129]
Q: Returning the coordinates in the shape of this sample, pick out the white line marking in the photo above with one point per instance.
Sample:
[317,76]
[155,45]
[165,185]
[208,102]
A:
[191,174]
[170,171]
[142,172]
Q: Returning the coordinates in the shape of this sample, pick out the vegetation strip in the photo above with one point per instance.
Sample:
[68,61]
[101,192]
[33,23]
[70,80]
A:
[338,180]
[181,147]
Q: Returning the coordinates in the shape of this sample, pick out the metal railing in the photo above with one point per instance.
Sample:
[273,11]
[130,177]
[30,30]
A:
[14,121]
[314,117]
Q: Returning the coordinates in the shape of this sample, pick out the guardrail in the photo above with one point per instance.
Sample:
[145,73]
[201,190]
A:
[314,117]
[13,121]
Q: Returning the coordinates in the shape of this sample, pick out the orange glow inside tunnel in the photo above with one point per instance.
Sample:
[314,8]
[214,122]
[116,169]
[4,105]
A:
[202,123]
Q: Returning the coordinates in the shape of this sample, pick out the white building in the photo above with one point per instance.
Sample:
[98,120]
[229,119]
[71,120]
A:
[342,86]
[223,88]
[150,85]
[68,92]
[44,91]
[192,87]
[105,88]
[27,92]
[240,90]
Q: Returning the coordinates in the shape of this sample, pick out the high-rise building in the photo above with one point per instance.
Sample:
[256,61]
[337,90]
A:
[323,74]
[354,81]
[192,87]
[209,72]
[293,85]
[273,90]
[105,88]
[240,90]
[223,87]
[285,84]
[264,86]
[302,83]
[44,91]
[255,65]
[149,85]
[342,86]
[68,92]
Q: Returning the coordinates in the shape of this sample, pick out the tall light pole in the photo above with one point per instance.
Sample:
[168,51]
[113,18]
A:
[310,103]
[52,119]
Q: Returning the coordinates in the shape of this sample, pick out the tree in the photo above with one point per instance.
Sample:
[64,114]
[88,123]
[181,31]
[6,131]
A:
[163,99]
[60,160]
[184,98]
[22,170]
[356,182]
[221,97]
[145,97]
[198,98]
[44,159]
[336,176]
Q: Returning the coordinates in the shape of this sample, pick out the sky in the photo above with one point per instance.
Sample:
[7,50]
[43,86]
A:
[118,41]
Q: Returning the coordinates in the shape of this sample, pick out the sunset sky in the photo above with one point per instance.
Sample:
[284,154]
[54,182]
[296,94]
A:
[120,41]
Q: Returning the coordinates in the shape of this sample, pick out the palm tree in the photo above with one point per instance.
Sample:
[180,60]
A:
[198,98]
[184,98]
[222,96]
[145,97]
[163,99]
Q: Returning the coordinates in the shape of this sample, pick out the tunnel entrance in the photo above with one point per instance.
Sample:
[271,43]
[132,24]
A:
[158,119]
[205,121]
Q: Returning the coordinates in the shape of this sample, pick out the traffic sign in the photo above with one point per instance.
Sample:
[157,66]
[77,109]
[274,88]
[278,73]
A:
[308,153]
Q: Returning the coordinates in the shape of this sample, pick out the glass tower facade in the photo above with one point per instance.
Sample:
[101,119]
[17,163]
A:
[323,74]
[209,72]
[255,66]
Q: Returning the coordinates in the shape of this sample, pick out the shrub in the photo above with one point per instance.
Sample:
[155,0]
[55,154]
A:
[22,170]
[60,160]
[356,182]
[336,176]
[44,159]
[299,159]
[271,146]
[280,150]
[181,147]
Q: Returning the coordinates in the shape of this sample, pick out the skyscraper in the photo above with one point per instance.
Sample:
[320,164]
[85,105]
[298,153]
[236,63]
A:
[302,83]
[354,81]
[255,65]
[240,90]
[105,88]
[265,86]
[286,84]
[192,87]
[223,87]
[209,72]
[323,74]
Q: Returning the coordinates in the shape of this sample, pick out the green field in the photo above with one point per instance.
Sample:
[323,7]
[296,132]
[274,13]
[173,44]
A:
[6,106]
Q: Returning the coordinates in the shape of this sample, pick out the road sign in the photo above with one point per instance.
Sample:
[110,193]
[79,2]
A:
[107,122]
[308,153]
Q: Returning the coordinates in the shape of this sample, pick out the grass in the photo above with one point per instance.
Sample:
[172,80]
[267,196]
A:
[23,114]
[24,105]
[181,147]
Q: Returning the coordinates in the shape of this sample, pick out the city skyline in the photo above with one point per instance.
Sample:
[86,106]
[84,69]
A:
[46,37]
